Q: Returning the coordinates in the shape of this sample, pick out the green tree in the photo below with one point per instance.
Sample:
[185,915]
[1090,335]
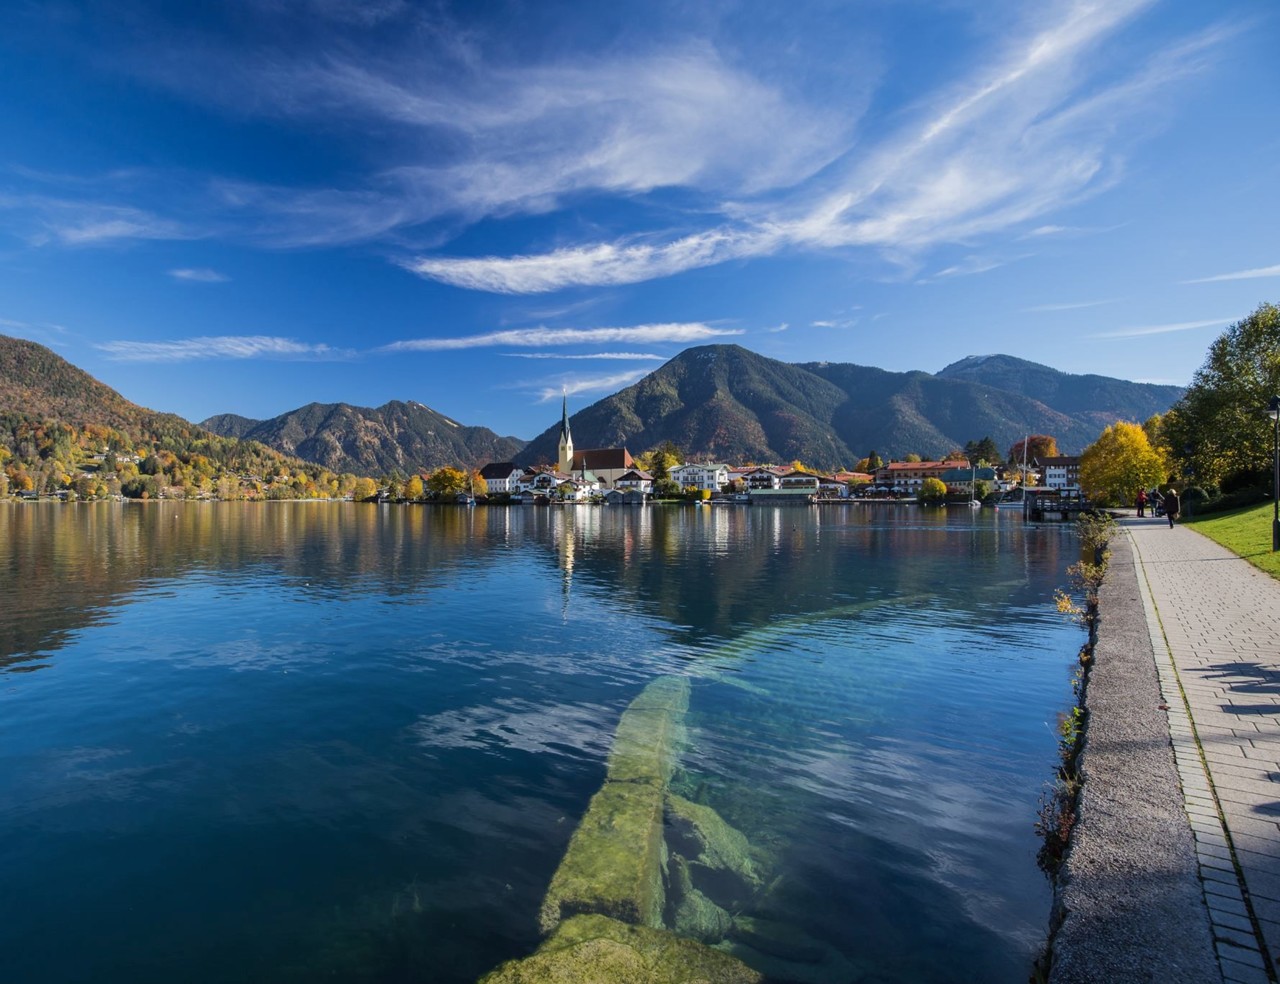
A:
[1118,463]
[982,452]
[1219,430]
[912,458]
[874,461]
[932,491]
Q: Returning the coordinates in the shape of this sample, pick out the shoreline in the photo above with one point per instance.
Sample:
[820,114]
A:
[1128,901]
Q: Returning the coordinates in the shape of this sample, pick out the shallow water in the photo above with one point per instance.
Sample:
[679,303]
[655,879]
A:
[285,741]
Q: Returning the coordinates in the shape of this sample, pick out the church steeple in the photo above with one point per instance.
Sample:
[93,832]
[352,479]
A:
[565,465]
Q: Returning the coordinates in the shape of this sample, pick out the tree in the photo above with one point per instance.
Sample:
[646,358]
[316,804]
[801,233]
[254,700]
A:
[1037,446]
[874,462]
[413,489]
[1118,463]
[478,485]
[932,491]
[1219,429]
[863,465]
[447,482]
[660,460]
[364,490]
[982,452]
[913,458]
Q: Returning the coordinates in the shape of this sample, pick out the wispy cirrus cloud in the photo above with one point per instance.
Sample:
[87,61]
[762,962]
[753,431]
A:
[1257,273]
[1138,332]
[221,347]
[199,275]
[576,385]
[541,336]
[1034,132]
[607,356]
[1067,306]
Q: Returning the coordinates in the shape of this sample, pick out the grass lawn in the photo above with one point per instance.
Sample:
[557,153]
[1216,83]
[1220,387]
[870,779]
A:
[1246,532]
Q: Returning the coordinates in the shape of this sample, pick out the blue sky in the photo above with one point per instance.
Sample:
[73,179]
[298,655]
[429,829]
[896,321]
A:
[250,205]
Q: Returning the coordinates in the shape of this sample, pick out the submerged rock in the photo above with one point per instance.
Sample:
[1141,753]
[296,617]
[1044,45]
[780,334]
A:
[615,860]
[787,953]
[649,733]
[698,832]
[692,913]
[593,949]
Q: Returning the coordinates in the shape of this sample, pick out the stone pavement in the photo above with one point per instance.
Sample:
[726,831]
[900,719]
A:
[1214,621]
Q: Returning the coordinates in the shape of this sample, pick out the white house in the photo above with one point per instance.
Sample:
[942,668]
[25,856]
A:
[501,476]
[705,477]
[1059,471]
[641,481]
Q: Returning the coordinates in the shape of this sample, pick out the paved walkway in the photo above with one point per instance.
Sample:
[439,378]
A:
[1215,630]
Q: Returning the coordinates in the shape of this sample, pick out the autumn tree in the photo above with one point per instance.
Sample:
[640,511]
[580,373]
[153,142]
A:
[932,491]
[478,485]
[447,482]
[364,490]
[1120,462]
[1219,430]
[413,489]
[1036,446]
[660,460]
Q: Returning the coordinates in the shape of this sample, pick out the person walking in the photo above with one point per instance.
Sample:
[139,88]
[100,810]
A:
[1171,505]
[1142,503]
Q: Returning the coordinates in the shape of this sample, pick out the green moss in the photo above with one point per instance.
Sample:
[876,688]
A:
[647,741]
[593,949]
[693,914]
[700,833]
[614,862]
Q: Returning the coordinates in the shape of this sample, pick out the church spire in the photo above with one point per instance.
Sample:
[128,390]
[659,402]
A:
[565,463]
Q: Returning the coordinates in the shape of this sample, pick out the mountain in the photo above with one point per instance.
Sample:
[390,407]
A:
[58,423]
[38,384]
[395,437]
[1099,399]
[724,402]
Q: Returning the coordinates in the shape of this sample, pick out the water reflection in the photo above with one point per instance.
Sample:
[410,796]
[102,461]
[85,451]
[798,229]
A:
[373,728]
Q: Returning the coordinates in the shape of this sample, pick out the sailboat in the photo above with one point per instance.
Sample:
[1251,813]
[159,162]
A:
[1015,498]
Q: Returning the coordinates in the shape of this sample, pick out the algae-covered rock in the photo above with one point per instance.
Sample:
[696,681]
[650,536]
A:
[692,913]
[593,949]
[615,859]
[700,833]
[646,743]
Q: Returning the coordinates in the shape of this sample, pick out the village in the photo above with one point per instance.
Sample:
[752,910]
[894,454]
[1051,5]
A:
[612,476]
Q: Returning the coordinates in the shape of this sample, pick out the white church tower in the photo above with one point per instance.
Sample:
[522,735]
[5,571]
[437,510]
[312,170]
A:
[565,465]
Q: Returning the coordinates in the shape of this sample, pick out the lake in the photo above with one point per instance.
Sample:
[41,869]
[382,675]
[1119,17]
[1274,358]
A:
[292,741]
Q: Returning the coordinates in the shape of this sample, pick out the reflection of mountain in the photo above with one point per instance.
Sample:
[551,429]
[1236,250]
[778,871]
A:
[712,573]
[67,567]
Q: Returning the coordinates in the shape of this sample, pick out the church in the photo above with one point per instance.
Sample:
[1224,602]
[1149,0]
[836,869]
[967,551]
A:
[606,465]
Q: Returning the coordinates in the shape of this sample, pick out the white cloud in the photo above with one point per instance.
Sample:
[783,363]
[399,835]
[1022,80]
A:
[1163,329]
[220,347]
[1070,306]
[598,265]
[572,386]
[620,356]
[1034,132]
[1255,274]
[200,275]
[533,337]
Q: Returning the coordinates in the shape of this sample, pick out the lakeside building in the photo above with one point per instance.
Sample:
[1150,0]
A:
[908,476]
[706,477]
[1059,471]
[501,476]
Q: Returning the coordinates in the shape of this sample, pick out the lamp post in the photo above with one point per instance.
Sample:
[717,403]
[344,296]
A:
[1273,411]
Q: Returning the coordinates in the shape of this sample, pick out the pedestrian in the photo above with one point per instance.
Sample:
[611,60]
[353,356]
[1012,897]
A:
[1171,505]
[1142,503]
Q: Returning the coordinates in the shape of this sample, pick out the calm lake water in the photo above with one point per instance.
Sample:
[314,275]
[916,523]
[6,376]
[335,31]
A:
[301,741]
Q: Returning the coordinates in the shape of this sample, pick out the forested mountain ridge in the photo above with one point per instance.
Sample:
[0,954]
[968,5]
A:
[404,437]
[62,429]
[725,402]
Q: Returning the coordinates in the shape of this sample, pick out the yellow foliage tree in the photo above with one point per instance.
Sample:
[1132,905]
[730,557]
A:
[413,489]
[1120,462]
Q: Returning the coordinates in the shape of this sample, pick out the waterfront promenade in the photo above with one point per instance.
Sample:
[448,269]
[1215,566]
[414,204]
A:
[1159,892]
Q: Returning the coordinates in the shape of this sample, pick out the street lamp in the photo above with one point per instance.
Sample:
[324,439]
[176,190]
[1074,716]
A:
[1273,411]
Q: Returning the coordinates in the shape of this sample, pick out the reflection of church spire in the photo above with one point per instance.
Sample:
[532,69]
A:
[565,465]
[568,547]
